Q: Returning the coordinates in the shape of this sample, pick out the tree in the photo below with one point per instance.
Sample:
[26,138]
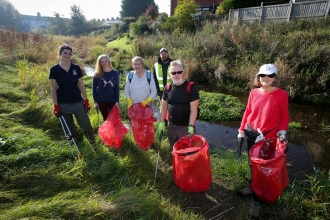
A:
[140,27]
[9,16]
[224,7]
[158,22]
[183,15]
[58,25]
[151,12]
[78,24]
[168,24]
[134,8]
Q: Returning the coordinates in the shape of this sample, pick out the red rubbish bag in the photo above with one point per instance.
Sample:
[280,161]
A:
[269,177]
[112,131]
[191,164]
[142,125]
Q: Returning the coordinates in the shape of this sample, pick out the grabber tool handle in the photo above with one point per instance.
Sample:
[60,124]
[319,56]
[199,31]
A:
[240,147]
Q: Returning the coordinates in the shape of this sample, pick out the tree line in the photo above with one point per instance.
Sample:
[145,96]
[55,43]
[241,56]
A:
[140,17]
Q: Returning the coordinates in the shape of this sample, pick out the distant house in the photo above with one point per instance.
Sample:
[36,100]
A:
[30,21]
[112,21]
[205,5]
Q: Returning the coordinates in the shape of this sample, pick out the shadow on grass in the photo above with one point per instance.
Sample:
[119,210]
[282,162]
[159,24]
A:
[217,202]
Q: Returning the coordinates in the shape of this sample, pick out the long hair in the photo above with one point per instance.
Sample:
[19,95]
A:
[98,68]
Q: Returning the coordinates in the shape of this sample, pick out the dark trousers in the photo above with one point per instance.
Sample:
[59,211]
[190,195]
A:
[82,120]
[175,132]
[105,108]
[250,142]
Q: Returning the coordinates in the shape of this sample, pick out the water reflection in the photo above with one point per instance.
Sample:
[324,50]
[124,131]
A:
[89,70]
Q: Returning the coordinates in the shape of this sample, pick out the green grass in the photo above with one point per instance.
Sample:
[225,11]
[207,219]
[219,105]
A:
[121,43]
[295,125]
[39,180]
[217,107]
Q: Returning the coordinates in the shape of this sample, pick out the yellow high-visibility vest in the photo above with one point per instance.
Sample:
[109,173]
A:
[159,75]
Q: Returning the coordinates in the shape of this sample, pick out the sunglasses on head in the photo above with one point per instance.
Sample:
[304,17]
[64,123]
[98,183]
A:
[177,72]
[270,76]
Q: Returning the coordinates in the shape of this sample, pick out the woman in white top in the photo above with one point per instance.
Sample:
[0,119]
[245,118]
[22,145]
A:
[138,88]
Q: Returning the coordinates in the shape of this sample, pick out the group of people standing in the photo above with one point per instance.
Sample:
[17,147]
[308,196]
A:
[266,111]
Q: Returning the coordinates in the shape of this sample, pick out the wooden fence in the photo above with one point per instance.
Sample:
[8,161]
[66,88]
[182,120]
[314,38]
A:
[282,12]
[201,18]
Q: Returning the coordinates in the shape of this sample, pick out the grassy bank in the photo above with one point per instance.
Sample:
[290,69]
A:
[230,56]
[39,180]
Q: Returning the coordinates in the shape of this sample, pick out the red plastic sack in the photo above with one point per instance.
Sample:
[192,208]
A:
[142,125]
[267,149]
[269,177]
[112,131]
[191,164]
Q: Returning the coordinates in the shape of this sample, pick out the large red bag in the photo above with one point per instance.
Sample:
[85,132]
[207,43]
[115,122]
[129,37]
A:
[112,131]
[191,164]
[142,125]
[269,177]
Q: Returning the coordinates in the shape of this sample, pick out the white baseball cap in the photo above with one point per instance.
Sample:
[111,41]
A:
[267,69]
[164,48]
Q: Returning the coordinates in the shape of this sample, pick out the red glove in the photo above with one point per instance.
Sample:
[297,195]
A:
[57,110]
[87,106]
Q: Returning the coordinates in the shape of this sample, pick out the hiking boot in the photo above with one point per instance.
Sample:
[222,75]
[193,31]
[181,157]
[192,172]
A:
[245,191]
[255,210]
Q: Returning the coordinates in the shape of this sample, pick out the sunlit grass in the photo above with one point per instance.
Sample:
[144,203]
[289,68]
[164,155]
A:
[295,125]
[39,179]
[122,43]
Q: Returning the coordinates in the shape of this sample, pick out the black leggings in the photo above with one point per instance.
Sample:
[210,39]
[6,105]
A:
[105,108]
[250,142]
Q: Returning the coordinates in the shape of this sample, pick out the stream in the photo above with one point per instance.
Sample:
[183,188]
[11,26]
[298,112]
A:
[307,146]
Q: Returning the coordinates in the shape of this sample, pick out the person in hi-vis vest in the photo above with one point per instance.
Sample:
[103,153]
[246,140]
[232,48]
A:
[160,71]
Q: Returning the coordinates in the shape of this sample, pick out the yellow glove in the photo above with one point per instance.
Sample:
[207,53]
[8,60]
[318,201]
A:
[146,101]
[129,102]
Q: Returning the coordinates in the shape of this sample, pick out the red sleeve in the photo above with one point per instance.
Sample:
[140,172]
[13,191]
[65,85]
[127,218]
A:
[246,113]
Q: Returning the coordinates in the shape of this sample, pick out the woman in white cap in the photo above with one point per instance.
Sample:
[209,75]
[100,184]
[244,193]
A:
[267,110]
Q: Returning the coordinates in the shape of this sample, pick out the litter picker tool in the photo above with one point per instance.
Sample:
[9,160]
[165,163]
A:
[159,101]
[239,158]
[160,143]
[69,137]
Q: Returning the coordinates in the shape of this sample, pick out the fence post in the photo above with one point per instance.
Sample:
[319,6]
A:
[290,10]
[229,17]
[327,10]
[238,15]
[262,10]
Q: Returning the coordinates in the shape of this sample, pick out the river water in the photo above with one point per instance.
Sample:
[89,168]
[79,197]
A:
[307,146]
